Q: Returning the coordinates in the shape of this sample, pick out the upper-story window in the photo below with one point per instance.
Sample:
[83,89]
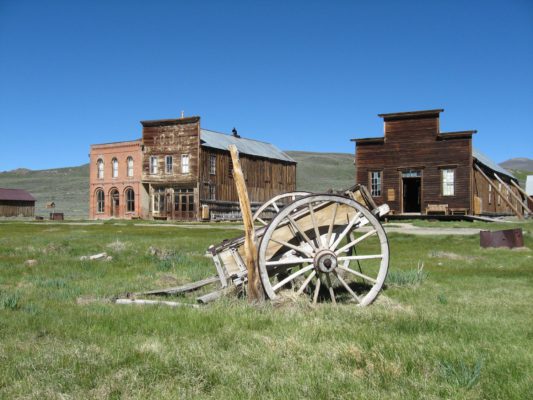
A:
[448,182]
[184,163]
[168,164]
[212,164]
[129,163]
[375,183]
[153,165]
[100,168]
[114,166]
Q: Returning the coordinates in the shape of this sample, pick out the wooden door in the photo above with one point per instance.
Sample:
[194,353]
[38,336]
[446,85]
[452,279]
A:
[184,207]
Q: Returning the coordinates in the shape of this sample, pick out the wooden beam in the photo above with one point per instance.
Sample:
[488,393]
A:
[518,214]
[524,204]
[189,287]
[155,302]
[521,190]
[255,287]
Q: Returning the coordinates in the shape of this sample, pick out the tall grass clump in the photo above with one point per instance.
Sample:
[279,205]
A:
[10,301]
[461,374]
[412,277]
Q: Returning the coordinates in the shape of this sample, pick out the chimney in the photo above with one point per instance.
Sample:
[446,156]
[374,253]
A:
[235,134]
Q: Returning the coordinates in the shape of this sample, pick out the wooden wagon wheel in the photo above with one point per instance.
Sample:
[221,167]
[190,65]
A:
[277,203]
[327,247]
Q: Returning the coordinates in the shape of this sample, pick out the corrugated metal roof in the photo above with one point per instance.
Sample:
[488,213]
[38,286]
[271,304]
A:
[483,159]
[251,147]
[15,195]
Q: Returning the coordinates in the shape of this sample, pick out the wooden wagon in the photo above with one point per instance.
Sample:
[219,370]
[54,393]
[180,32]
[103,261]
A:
[329,247]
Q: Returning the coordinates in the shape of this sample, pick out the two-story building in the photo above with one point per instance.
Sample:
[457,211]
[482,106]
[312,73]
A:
[183,172]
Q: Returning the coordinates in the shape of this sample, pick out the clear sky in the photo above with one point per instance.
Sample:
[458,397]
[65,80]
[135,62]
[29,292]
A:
[305,75]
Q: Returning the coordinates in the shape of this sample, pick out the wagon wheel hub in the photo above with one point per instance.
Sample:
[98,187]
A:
[325,261]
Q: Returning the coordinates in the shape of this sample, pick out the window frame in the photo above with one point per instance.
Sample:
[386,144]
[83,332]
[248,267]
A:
[378,192]
[130,203]
[114,168]
[100,167]
[212,164]
[185,167]
[212,192]
[445,184]
[154,165]
[100,203]
[167,164]
[129,167]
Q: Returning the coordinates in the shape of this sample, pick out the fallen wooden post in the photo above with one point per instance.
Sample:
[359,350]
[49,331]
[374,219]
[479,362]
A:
[155,302]
[189,287]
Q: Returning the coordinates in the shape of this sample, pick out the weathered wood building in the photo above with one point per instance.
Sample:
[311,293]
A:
[417,169]
[16,203]
[184,172]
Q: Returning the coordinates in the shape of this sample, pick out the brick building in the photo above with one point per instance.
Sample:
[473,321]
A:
[179,171]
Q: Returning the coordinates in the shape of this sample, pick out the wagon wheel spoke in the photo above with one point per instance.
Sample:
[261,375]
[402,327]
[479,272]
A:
[306,282]
[290,261]
[317,289]
[332,223]
[262,221]
[315,226]
[356,241]
[345,231]
[292,277]
[359,274]
[365,257]
[275,207]
[330,288]
[347,287]
[302,233]
[291,246]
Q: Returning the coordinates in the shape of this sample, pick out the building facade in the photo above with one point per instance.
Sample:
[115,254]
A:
[16,203]
[417,169]
[184,172]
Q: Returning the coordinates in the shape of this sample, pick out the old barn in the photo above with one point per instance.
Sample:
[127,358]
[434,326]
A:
[417,169]
[16,203]
[181,171]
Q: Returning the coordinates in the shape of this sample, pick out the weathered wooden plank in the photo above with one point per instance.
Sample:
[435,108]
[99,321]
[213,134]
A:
[184,288]
[155,302]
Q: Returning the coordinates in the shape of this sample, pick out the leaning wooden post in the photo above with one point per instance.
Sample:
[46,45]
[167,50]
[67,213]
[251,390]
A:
[255,288]
[524,204]
[521,190]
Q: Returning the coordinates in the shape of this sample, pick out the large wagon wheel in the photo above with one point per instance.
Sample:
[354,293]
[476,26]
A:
[327,247]
[277,203]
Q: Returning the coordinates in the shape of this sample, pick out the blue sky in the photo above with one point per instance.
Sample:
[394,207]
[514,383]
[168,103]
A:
[304,75]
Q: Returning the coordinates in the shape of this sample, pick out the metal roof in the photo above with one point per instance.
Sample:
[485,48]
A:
[251,147]
[15,195]
[483,159]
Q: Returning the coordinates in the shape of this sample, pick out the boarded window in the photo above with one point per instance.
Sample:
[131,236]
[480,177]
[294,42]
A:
[100,201]
[499,197]
[153,165]
[490,194]
[114,165]
[212,164]
[375,183]
[100,168]
[130,200]
[448,182]
[184,163]
[168,164]
[129,163]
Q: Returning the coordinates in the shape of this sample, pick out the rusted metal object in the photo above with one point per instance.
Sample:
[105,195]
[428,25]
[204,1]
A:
[506,238]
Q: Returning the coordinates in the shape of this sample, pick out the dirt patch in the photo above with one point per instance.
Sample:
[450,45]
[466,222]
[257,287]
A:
[451,256]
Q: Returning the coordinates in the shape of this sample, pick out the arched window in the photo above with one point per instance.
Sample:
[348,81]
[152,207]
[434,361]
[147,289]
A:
[114,165]
[130,200]
[130,166]
[100,168]
[100,201]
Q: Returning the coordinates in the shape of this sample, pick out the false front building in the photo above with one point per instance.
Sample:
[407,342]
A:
[417,169]
[183,172]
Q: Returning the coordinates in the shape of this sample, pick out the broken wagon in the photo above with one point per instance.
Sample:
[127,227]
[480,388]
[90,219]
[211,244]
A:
[328,247]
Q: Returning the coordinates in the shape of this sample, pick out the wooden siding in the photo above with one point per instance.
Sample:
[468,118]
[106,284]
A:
[10,208]
[265,178]
[490,200]
[416,144]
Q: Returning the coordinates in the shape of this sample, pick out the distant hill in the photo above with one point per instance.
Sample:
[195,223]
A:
[523,164]
[318,172]
[69,187]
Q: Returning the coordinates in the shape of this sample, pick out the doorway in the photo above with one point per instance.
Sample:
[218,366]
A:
[115,203]
[184,204]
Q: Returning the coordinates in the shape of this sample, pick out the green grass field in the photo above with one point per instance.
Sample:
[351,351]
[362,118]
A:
[461,329]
